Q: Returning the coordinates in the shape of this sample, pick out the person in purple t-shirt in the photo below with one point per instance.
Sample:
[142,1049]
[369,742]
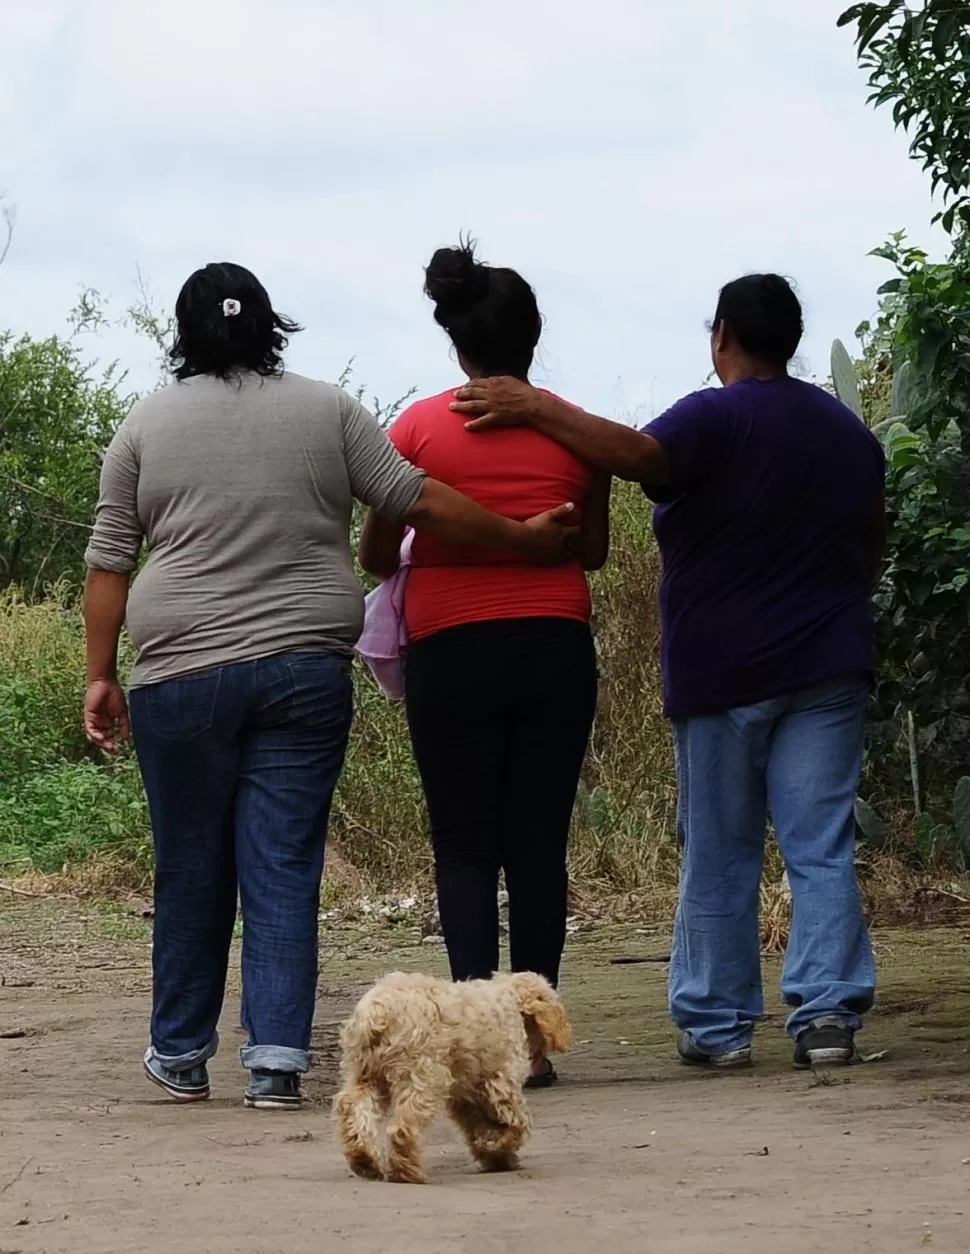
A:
[771,524]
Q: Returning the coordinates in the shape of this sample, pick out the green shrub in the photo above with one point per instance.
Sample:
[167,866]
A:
[57,420]
[920,716]
[65,814]
[58,804]
[41,685]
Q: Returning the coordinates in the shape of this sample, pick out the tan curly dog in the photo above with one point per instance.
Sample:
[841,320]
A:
[415,1044]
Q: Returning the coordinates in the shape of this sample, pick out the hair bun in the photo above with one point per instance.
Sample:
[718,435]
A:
[455,281]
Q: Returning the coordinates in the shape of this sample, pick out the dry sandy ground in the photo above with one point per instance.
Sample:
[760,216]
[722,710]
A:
[630,1152]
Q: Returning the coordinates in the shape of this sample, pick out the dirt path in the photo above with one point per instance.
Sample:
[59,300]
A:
[630,1153]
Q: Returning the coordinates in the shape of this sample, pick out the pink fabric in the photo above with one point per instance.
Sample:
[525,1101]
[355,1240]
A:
[384,640]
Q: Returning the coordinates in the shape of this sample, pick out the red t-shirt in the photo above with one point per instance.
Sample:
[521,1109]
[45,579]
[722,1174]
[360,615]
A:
[514,472]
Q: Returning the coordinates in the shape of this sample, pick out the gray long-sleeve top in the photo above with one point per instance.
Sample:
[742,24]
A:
[243,493]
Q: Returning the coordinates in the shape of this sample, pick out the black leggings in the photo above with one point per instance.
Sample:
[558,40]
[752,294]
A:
[500,715]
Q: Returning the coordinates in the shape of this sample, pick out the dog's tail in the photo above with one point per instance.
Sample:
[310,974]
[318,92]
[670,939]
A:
[358,1114]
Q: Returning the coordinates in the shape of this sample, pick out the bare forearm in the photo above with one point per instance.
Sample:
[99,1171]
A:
[105,602]
[446,514]
[609,446]
[379,552]
[594,535]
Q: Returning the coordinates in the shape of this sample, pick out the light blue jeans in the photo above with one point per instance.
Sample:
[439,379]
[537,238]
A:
[797,758]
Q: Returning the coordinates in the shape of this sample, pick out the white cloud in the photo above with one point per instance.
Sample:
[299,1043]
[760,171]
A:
[627,157]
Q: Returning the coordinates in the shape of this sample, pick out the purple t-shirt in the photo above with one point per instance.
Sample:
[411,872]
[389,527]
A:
[766,581]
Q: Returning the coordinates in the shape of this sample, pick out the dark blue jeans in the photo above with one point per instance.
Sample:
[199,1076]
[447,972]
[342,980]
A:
[240,766]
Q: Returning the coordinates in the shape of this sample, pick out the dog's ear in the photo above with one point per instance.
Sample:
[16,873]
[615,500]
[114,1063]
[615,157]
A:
[539,1002]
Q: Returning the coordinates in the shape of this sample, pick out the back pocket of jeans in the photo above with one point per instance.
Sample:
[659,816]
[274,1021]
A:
[183,709]
[323,690]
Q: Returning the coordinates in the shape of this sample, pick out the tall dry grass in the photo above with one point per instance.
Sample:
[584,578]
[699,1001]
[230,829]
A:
[59,806]
[625,815]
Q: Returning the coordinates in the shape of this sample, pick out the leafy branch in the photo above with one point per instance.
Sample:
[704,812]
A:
[918,61]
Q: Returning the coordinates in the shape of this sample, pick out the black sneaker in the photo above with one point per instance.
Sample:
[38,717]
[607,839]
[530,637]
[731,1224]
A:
[824,1045]
[732,1060]
[183,1086]
[273,1090]
[545,1078]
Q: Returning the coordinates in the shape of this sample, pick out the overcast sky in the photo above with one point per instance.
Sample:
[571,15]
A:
[628,156]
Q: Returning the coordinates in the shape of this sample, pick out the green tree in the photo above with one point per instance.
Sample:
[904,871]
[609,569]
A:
[56,417]
[918,61]
[924,595]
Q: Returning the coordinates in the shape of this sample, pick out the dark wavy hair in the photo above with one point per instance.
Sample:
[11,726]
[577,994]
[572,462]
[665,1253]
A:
[762,314]
[489,312]
[209,341]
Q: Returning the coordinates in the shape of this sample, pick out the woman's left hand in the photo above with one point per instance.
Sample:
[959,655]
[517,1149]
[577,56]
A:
[497,402]
[553,536]
[106,715]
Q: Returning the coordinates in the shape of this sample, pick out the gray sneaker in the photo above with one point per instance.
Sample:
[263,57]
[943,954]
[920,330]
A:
[733,1060]
[273,1090]
[183,1086]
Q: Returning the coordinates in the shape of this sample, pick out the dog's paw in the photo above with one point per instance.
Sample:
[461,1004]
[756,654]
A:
[499,1141]
[498,1162]
[364,1166]
[405,1173]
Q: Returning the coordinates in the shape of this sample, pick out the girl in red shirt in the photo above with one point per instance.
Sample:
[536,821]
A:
[501,669]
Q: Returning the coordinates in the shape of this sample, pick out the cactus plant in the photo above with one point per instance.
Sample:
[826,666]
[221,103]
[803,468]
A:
[845,380]
[901,391]
[882,429]
[872,828]
[947,840]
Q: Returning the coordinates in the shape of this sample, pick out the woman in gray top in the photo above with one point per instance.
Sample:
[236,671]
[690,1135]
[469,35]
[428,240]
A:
[240,478]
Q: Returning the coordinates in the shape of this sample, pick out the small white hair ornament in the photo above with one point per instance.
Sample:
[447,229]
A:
[231,308]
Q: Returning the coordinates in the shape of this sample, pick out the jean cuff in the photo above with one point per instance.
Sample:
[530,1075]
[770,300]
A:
[799,1022]
[274,1058]
[720,1045]
[185,1062]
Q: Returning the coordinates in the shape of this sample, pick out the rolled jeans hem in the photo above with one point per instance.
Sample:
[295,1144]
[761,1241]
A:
[184,1062]
[799,1022]
[274,1058]
[723,1045]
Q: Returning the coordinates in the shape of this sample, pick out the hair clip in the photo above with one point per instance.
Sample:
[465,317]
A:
[230,308]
